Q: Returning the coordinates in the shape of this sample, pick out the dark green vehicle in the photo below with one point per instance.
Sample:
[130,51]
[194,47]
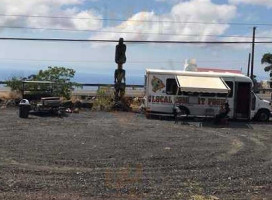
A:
[38,97]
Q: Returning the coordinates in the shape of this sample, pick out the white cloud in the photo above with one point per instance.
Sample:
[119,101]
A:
[264,36]
[189,11]
[261,36]
[267,3]
[48,8]
[170,1]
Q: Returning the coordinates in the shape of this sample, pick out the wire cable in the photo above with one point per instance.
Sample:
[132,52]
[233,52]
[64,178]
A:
[110,61]
[130,32]
[148,21]
[133,41]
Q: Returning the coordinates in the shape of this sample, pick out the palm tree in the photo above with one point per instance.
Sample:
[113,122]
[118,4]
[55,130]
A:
[267,59]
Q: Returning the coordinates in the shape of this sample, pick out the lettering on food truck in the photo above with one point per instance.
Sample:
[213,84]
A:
[182,100]
[185,100]
[201,101]
[160,99]
[216,102]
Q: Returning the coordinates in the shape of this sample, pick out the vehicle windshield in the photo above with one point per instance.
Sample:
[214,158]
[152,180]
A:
[257,96]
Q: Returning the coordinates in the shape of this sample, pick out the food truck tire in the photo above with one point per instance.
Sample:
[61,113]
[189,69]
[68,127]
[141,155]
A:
[263,115]
[184,110]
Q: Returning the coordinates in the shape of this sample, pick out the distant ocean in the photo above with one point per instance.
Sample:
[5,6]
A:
[106,79]
[87,78]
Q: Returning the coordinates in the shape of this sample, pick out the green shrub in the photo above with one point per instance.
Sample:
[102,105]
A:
[104,99]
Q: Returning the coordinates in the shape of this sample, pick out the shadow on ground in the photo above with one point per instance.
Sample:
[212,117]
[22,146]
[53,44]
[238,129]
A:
[47,114]
[204,122]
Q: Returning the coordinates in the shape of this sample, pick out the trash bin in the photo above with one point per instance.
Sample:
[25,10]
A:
[24,108]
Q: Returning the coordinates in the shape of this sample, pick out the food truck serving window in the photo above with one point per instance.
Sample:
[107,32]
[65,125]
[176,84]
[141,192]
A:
[230,95]
[230,84]
[202,84]
[171,86]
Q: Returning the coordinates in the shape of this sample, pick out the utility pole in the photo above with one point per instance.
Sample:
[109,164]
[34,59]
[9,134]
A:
[248,66]
[253,53]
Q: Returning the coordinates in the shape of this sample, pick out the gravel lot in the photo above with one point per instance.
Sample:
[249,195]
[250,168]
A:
[96,155]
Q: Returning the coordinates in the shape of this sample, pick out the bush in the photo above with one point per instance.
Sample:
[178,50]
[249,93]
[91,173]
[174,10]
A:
[104,99]
[15,84]
[62,77]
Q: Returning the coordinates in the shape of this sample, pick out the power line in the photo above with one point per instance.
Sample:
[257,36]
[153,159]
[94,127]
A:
[132,20]
[43,16]
[133,41]
[110,61]
[129,32]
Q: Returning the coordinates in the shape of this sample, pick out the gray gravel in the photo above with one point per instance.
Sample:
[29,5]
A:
[97,155]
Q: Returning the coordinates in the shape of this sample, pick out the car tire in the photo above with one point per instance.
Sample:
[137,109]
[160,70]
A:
[263,116]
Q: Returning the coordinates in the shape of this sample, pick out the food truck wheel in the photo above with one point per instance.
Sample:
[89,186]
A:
[263,115]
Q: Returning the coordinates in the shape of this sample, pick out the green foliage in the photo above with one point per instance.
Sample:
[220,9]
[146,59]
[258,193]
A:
[104,99]
[15,84]
[267,59]
[61,76]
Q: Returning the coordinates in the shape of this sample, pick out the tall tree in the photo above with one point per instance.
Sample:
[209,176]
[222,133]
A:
[267,59]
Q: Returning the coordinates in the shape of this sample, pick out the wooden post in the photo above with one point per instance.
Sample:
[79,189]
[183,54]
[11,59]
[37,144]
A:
[248,66]
[253,53]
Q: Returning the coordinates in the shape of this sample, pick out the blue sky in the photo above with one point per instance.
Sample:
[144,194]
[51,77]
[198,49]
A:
[91,60]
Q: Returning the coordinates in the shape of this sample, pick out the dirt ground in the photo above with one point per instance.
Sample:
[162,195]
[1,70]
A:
[97,155]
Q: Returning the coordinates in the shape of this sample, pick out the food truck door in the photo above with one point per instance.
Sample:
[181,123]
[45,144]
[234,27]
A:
[242,100]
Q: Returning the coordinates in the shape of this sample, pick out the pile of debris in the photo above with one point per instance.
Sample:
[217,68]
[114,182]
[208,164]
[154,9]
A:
[74,106]
[4,103]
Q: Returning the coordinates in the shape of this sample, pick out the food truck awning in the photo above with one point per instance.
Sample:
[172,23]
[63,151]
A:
[202,84]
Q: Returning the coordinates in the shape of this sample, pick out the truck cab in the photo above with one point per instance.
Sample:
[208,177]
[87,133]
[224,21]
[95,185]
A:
[261,109]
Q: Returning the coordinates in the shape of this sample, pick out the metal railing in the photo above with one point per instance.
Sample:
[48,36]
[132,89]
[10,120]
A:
[96,85]
[133,90]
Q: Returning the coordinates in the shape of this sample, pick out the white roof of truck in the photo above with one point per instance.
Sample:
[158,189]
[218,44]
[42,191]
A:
[206,74]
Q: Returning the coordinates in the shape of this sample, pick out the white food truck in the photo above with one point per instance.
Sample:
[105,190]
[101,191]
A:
[201,94]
